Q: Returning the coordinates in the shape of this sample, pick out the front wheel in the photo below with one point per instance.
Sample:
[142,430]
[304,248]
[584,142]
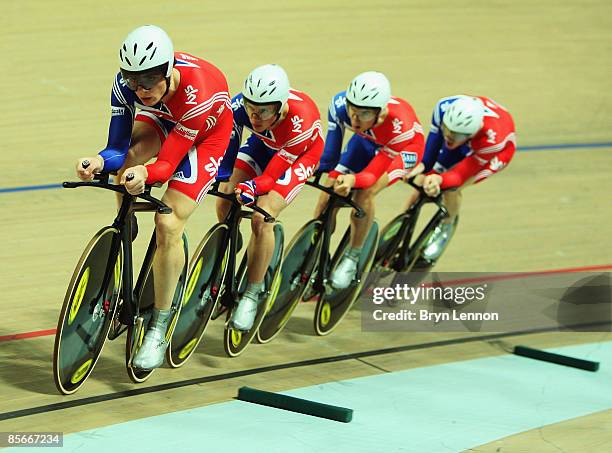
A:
[88,310]
[333,306]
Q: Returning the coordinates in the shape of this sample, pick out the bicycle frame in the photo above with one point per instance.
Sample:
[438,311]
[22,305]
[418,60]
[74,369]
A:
[409,252]
[326,218]
[123,223]
[232,220]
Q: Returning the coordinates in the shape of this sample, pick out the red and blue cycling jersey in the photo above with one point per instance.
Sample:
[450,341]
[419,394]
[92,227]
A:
[195,112]
[400,133]
[488,152]
[297,137]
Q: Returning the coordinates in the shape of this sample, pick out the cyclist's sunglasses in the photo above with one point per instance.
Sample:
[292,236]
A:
[261,112]
[364,114]
[145,80]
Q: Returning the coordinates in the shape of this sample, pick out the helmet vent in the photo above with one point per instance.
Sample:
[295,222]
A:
[128,61]
[272,90]
[150,45]
[135,47]
[153,54]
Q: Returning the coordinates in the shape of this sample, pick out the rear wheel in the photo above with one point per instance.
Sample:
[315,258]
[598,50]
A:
[236,341]
[146,301]
[88,310]
[206,274]
[333,306]
[298,264]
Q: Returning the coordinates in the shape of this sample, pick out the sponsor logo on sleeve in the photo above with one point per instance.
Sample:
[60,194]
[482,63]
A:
[287,156]
[117,111]
[189,134]
[409,159]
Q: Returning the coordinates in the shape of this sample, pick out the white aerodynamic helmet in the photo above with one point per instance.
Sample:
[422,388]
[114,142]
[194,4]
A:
[464,115]
[146,47]
[369,89]
[267,84]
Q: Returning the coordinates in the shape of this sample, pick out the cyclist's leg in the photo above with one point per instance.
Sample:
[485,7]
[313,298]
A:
[259,255]
[261,246]
[194,176]
[359,152]
[441,236]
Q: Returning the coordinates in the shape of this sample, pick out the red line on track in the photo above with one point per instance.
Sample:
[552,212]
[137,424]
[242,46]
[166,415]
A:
[567,270]
[21,336]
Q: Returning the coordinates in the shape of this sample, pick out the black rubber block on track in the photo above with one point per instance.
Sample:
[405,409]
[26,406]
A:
[556,358]
[290,403]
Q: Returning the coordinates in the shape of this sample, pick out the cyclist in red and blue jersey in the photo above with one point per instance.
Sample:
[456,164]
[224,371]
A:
[387,143]
[175,107]
[470,139]
[271,168]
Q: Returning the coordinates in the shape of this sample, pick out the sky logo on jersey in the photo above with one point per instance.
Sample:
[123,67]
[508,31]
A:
[409,159]
[191,92]
[339,101]
[213,166]
[189,134]
[303,172]
[117,111]
[237,103]
[297,123]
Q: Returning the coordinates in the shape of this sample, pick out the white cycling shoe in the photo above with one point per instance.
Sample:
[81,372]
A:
[438,241]
[344,273]
[151,353]
[244,314]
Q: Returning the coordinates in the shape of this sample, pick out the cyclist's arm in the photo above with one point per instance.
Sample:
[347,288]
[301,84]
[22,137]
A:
[229,158]
[435,140]
[333,141]
[433,146]
[174,149]
[468,168]
[277,166]
[120,129]
[381,162]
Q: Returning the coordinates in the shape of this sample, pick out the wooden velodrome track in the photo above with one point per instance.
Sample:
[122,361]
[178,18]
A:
[548,62]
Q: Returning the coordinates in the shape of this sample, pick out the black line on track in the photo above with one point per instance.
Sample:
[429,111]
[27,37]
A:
[283,366]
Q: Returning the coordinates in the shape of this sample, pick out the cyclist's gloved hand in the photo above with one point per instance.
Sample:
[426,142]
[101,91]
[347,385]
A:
[246,192]
[86,167]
